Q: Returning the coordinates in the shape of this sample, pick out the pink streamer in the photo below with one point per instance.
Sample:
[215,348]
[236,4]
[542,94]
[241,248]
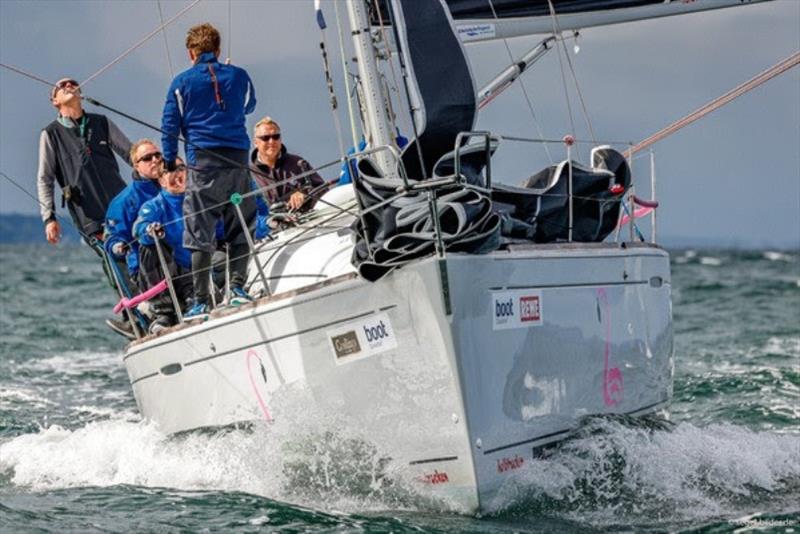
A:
[637,213]
[129,303]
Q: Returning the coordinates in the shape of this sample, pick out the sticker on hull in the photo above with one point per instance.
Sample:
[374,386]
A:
[364,337]
[520,308]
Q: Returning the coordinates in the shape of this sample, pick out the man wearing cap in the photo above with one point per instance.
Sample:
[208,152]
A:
[77,151]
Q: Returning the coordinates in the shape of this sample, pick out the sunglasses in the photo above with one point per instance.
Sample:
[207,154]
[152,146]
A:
[180,168]
[273,137]
[63,83]
[150,156]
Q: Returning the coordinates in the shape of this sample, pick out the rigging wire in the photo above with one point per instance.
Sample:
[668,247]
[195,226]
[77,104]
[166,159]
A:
[405,76]
[524,91]
[230,36]
[142,41]
[752,83]
[346,74]
[556,28]
[166,42]
[323,45]
[395,85]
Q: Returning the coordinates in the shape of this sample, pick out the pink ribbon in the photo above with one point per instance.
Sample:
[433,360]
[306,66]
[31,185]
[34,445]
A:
[637,213]
[129,303]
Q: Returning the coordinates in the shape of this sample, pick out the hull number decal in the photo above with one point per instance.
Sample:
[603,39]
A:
[519,308]
[362,338]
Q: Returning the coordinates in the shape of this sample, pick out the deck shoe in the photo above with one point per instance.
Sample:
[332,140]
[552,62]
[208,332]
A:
[198,311]
[239,296]
[159,324]
[122,328]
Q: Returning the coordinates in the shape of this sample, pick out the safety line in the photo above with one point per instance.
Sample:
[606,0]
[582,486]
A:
[140,43]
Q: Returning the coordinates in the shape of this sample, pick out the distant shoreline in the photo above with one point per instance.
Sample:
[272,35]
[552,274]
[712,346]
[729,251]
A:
[19,229]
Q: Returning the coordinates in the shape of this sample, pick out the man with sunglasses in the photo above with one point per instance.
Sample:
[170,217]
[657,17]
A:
[77,151]
[276,169]
[147,169]
[207,104]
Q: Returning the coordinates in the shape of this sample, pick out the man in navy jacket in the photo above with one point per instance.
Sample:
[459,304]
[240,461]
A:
[207,104]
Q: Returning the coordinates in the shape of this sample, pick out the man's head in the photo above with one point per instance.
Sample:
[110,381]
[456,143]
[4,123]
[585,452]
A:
[175,182]
[65,91]
[267,134]
[202,38]
[147,159]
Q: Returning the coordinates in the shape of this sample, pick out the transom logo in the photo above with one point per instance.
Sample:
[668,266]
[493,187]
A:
[519,308]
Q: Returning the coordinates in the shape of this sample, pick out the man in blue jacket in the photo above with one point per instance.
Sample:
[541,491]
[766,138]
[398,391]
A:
[207,104]
[122,212]
[162,218]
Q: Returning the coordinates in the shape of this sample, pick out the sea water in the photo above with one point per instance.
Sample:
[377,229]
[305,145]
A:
[76,456]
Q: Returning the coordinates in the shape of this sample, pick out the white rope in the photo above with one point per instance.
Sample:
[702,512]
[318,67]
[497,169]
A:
[166,43]
[524,92]
[140,43]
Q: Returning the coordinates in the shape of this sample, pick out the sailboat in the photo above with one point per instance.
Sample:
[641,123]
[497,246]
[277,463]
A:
[462,325]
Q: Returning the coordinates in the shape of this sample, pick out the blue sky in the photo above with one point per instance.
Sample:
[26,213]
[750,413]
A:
[733,177]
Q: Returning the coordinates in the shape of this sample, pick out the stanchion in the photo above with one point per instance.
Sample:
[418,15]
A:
[236,200]
[168,278]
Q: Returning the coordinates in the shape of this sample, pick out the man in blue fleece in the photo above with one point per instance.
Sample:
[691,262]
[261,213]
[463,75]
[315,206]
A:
[207,104]
[122,212]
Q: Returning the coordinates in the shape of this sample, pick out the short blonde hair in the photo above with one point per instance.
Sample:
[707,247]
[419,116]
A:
[135,146]
[202,38]
[267,121]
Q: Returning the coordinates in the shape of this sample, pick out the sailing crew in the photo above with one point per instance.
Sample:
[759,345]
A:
[276,168]
[207,104]
[77,151]
[147,169]
[162,217]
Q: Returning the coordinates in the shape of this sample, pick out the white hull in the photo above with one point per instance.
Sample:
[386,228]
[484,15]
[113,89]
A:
[536,337]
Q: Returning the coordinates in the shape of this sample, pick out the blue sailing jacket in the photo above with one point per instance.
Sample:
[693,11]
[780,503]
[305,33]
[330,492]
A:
[207,104]
[121,215]
[167,210]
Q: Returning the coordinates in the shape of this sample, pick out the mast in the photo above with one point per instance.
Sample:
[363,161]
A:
[379,132]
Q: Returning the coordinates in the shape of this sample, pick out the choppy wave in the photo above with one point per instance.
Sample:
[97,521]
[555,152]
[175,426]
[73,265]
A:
[610,473]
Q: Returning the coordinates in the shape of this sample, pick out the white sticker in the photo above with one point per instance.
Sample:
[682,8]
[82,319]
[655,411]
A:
[362,338]
[519,308]
[472,32]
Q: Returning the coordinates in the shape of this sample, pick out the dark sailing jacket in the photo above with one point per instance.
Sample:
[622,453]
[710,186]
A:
[287,166]
[81,160]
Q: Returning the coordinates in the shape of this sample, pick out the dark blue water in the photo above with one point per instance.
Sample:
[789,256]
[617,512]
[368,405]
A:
[75,455]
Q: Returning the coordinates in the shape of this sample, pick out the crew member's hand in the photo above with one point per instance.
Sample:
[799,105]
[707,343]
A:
[119,249]
[155,230]
[52,232]
[296,200]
